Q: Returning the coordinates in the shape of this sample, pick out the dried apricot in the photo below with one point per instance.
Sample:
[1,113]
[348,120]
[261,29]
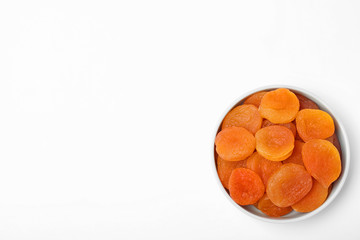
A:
[306,103]
[314,199]
[245,186]
[263,167]
[322,160]
[290,125]
[279,106]
[288,184]
[234,143]
[255,99]
[224,169]
[314,124]
[296,156]
[269,208]
[335,140]
[274,143]
[246,116]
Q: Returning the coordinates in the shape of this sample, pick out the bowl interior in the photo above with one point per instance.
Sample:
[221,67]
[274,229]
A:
[336,186]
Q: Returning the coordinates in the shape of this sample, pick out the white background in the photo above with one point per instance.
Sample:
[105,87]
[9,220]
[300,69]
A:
[108,110]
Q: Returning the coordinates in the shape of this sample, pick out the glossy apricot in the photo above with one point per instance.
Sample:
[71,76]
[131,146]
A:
[279,106]
[246,116]
[314,124]
[322,161]
[263,167]
[288,185]
[314,199]
[274,143]
[234,143]
[255,99]
[224,169]
[245,186]
[266,206]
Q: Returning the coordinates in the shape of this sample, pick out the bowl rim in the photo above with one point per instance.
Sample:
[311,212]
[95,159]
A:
[345,149]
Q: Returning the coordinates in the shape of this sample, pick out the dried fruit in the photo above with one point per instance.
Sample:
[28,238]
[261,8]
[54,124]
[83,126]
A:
[234,143]
[224,169]
[269,208]
[335,140]
[274,143]
[306,103]
[263,167]
[314,199]
[255,99]
[290,125]
[314,124]
[245,186]
[296,156]
[246,116]
[288,184]
[279,106]
[322,161]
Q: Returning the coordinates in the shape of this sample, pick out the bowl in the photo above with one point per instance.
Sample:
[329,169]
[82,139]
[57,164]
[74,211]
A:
[251,210]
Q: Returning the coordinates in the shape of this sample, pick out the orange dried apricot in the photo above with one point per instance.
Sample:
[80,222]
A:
[288,184]
[224,169]
[306,103]
[314,124]
[335,140]
[234,143]
[279,106]
[296,156]
[255,99]
[322,161]
[245,186]
[314,199]
[246,116]
[269,208]
[274,143]
[290,125]
[263,167]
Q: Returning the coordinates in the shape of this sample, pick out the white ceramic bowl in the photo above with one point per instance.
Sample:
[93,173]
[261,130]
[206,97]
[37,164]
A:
[337,185]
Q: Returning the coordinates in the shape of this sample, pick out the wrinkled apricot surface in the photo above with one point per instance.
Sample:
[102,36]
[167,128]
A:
[290,125]
[314,124]
[246,116]
[263,167]
[279,106]
[245,186]
[255,99]
[322,161]
[234,143]
[224,169]
[288,184]
[314,199]
[296,156]
[274,143]
[269,208]
[306,103]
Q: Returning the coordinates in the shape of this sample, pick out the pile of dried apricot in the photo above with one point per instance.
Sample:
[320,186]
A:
[278,151]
